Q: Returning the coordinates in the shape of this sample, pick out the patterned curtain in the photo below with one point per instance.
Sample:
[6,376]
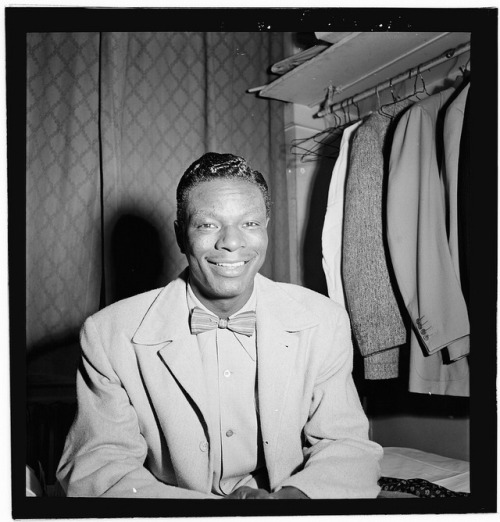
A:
[62,199]
[114,119]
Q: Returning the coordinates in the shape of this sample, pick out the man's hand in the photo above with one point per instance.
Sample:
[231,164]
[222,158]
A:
[245,492]
[288,492]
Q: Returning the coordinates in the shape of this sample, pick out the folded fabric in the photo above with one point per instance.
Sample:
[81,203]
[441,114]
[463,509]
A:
[394,494]
[418,487]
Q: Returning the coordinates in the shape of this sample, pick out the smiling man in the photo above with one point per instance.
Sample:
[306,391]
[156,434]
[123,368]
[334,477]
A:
[223,384]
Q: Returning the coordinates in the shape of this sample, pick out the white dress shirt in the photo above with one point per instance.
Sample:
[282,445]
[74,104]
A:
[333,226]
[230,367]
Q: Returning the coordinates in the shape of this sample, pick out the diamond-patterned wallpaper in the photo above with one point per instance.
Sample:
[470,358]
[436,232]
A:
[164,99]
[62,214]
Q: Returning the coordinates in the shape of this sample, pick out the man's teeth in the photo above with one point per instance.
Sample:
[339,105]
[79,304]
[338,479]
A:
[231,265]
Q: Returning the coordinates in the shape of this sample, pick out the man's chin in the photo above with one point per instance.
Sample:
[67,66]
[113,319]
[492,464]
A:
[232,290]
[214,286]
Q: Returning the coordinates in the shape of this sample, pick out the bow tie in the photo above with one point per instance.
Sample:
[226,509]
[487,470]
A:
[202,321]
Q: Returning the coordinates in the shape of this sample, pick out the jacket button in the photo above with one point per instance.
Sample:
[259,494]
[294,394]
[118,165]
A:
[423,331]
[204,445]
[229,433]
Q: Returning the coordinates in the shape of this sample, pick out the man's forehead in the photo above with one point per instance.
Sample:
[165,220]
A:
[214,211]
[212,195]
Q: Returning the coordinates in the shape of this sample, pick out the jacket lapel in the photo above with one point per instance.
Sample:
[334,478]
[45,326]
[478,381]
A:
[279,321]
[164,335]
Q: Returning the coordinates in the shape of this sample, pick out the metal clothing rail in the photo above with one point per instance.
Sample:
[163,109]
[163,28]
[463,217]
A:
[410,73]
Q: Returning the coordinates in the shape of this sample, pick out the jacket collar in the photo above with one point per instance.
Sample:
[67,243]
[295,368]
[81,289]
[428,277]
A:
[167,318]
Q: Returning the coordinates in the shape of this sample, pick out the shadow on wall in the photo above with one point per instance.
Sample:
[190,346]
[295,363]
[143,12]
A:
[136,254]
[313,275]
[136,265]
[53,362]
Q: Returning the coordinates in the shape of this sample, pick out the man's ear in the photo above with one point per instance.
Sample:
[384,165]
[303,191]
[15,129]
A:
[179,235]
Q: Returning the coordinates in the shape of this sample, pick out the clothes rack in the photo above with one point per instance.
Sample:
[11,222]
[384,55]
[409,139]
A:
[410,73]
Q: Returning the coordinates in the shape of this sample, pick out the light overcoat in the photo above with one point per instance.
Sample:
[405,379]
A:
[417,237]
[141,428]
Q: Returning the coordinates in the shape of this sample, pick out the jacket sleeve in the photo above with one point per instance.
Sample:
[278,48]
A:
[339,459]
[417,238]
[105,452]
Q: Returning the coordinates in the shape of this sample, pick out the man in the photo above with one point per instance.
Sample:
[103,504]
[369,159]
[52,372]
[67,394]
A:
[182,394]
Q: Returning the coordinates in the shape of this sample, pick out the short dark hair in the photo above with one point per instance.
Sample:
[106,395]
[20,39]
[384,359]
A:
[212,166]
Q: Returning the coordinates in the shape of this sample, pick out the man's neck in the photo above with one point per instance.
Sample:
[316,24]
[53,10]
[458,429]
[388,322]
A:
[223,307]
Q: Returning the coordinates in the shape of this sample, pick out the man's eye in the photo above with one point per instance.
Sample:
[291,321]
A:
[251,224]
[206,225]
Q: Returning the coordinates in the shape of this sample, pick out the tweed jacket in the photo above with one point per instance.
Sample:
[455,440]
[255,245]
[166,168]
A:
[376,319]
[141,429]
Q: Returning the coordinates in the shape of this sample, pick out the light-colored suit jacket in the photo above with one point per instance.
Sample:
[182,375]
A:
[420,253]
[141,429]
[452,133]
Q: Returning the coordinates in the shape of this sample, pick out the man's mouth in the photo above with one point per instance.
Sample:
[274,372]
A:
[229,265]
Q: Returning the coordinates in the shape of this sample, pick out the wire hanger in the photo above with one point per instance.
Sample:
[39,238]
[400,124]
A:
[416,92]
[343,107]
[348,112]
[356,105]
[378,97]
[337,120]
[394,101]
[324,144]
[419,75]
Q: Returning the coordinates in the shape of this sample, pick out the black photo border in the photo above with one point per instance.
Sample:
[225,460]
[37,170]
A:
[482,23]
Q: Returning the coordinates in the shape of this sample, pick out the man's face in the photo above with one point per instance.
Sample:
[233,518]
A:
[225,241]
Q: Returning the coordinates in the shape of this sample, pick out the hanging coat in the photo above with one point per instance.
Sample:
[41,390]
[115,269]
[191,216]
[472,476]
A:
[376,320]
[420,254]
[331,238]
[452,133]
[464,205]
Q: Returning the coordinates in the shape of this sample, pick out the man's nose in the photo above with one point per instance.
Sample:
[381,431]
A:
[230,238]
